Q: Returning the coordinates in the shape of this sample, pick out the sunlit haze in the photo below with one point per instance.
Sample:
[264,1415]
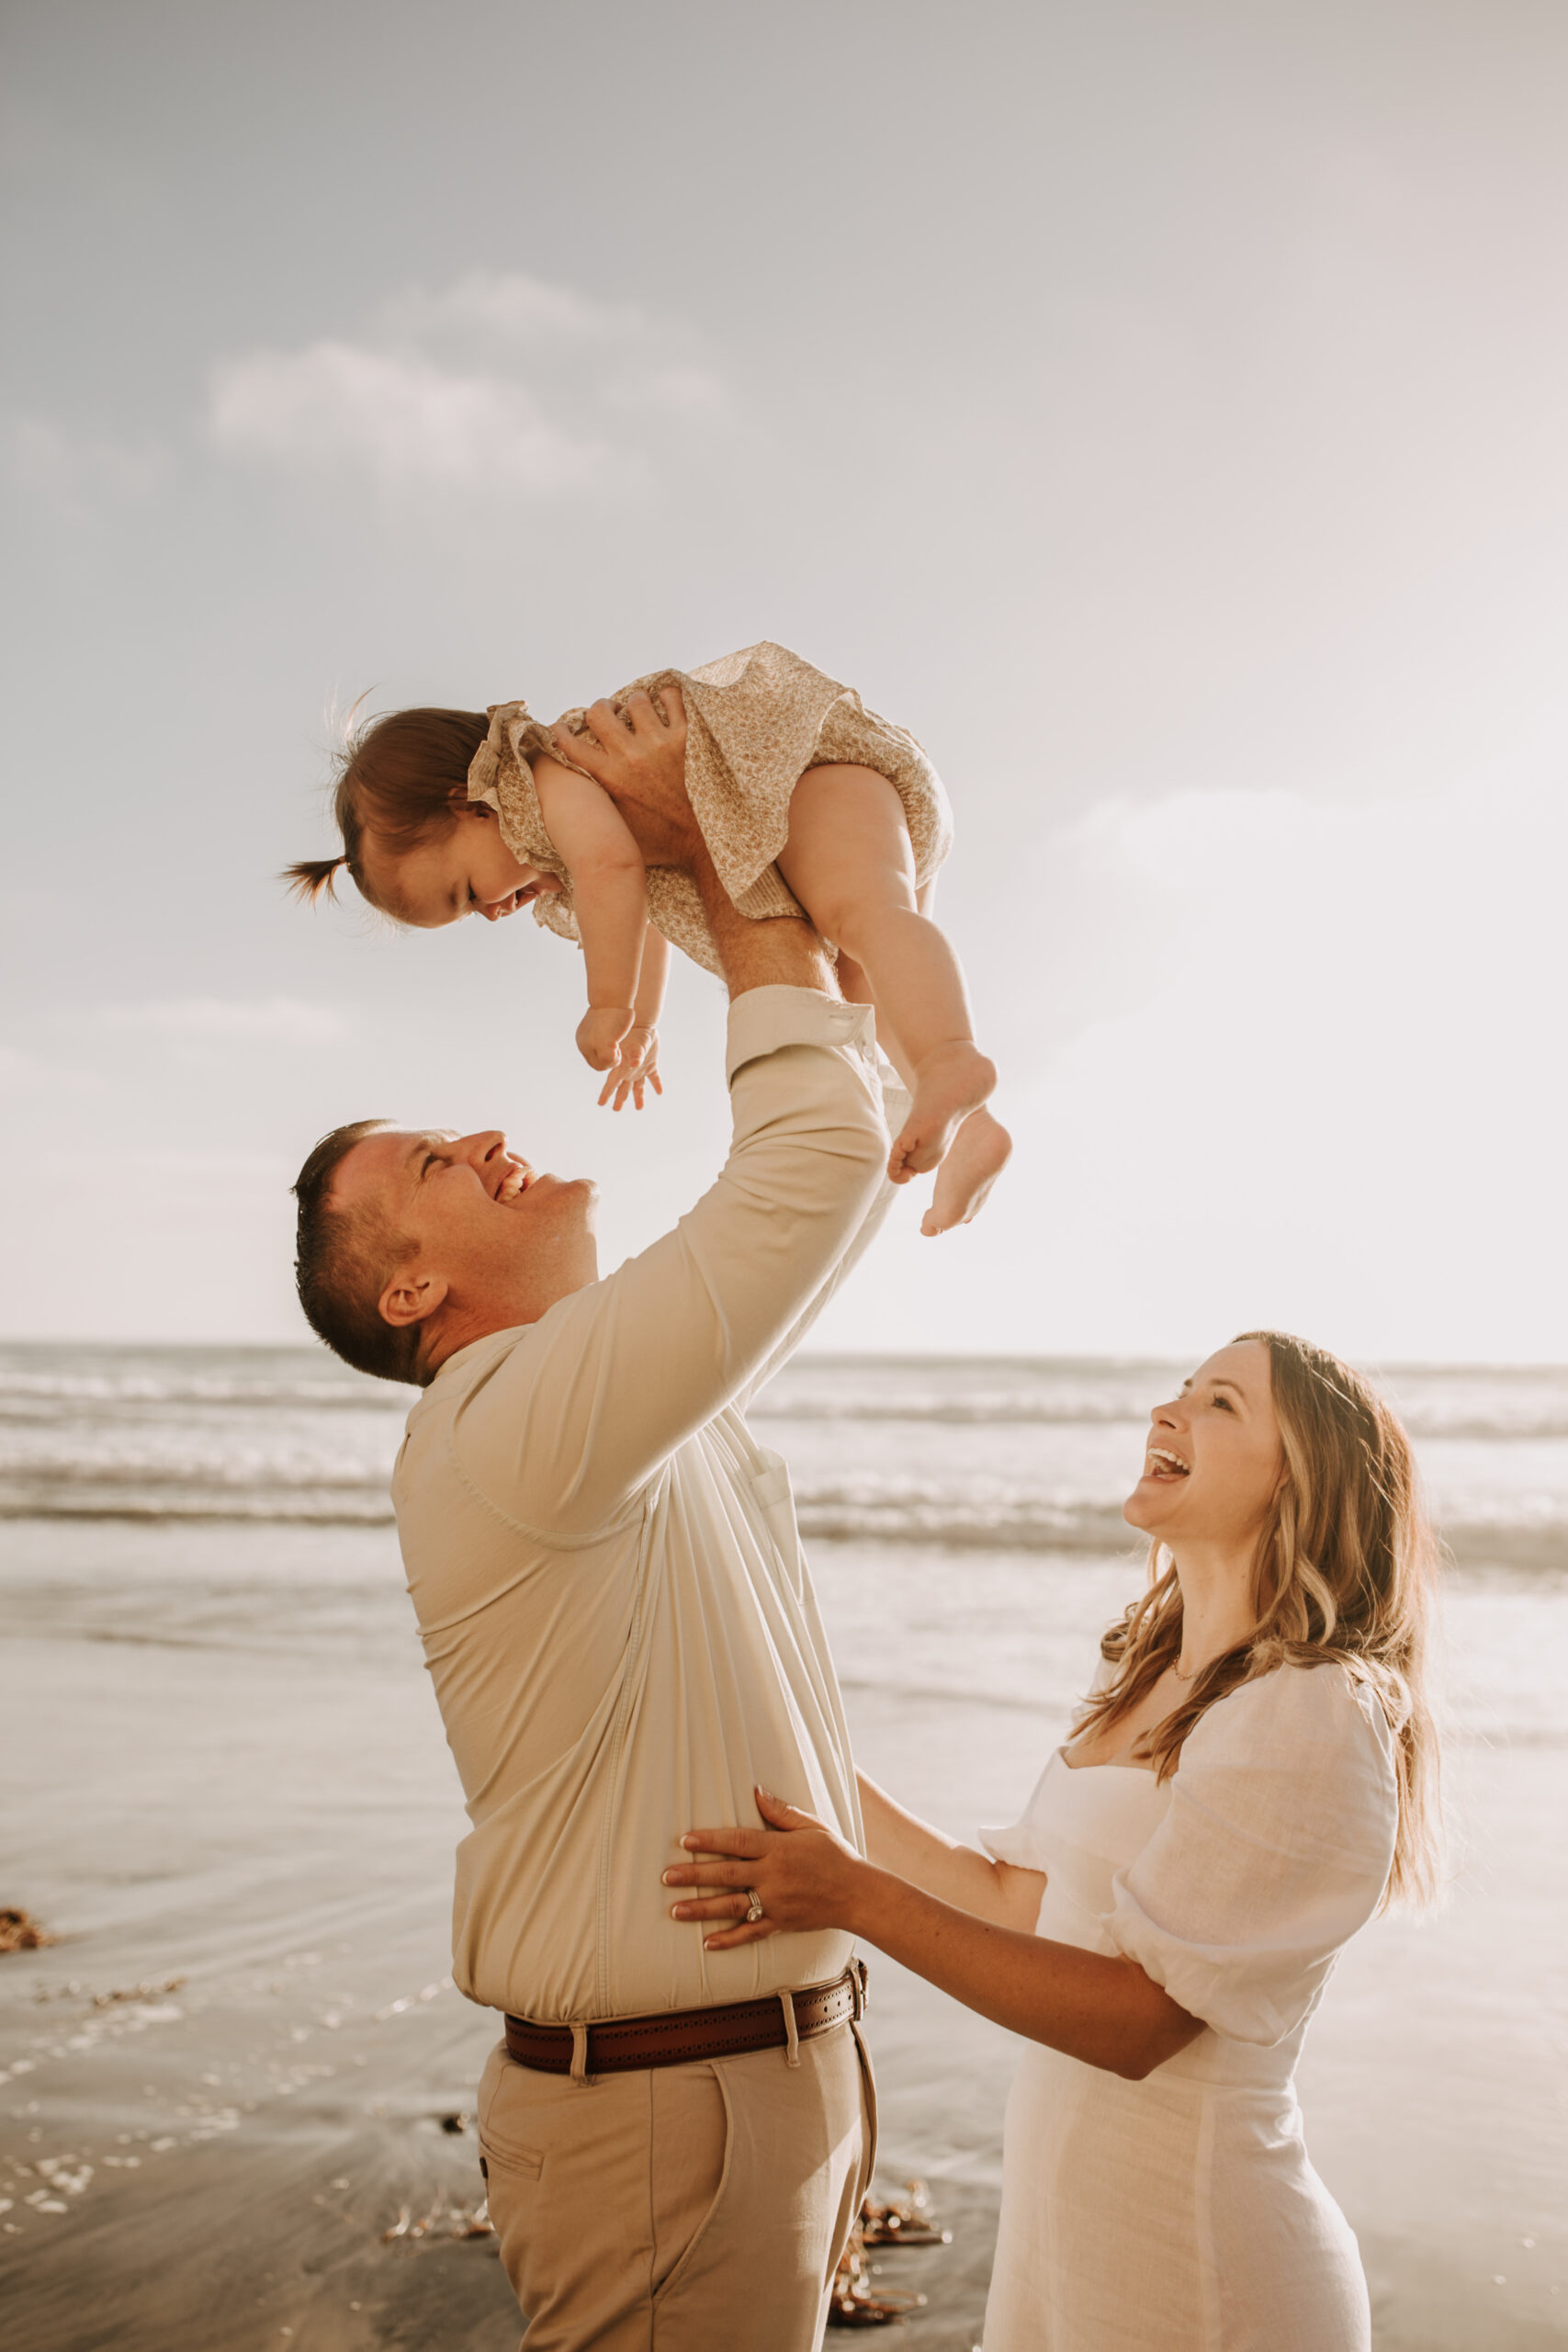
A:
[1160,410]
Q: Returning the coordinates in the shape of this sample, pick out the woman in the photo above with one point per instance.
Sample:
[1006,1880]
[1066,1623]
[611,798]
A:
[1252,1777]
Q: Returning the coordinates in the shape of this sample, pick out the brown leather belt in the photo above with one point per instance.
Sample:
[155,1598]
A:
[680,2037]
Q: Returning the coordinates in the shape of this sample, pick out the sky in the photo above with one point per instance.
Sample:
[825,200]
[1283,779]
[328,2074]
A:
[1159,409]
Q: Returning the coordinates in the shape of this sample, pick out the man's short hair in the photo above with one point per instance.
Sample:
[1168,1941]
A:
[343,1259]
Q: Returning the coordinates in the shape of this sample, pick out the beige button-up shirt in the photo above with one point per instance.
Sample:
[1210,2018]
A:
[615,1612]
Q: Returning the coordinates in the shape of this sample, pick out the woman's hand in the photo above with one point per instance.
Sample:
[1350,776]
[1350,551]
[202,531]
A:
[636,1069]
[804,1874]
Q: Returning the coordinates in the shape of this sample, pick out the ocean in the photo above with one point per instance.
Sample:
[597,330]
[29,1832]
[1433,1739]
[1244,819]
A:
[222,1771]
[1014,1454]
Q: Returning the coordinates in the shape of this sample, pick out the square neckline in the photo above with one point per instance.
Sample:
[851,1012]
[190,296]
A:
[1110,1765]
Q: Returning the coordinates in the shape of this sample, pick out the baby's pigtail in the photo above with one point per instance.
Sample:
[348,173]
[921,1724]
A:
[310,876]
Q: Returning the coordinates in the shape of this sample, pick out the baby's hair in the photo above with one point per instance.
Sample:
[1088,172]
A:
[399,779]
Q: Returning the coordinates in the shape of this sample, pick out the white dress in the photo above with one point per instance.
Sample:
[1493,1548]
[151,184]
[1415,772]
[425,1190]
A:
[1180,2214]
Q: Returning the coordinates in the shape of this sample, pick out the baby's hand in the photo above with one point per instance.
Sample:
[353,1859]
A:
[636,1069]
[599,1033]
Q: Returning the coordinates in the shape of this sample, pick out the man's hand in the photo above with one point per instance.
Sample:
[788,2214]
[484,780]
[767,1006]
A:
[641,761]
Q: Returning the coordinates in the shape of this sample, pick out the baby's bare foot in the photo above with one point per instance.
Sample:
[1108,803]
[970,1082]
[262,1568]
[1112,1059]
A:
[949,1083]
[981,1149]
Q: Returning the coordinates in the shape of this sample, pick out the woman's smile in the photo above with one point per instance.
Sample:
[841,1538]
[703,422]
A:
[1220,1435]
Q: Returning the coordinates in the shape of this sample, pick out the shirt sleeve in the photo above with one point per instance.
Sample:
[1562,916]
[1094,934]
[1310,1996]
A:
[572,1421]
[1275,1849]
[894,1111]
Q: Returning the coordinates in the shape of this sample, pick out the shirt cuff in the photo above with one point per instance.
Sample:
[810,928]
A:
[763,1020]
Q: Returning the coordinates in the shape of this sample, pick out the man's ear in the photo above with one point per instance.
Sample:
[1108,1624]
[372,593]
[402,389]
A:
[412,1298]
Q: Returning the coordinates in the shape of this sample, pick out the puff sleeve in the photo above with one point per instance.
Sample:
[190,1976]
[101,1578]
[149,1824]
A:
[1275,1849]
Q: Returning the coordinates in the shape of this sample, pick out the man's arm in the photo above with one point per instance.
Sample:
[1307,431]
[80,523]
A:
[895,1109]
[612,1380]
[782,952]
[595,1397]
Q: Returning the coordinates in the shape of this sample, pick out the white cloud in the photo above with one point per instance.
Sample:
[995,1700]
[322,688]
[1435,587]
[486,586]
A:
[211,1019]
[399,417]
[499,382]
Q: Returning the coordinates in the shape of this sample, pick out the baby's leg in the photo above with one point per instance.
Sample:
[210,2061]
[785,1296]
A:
[981,1147]
[849,861]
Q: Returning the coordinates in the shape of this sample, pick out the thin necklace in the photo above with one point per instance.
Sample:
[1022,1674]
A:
[1185,1677]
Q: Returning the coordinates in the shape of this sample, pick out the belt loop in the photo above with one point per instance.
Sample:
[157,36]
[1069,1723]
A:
[857,1986]
[792,2031]
[580,2055]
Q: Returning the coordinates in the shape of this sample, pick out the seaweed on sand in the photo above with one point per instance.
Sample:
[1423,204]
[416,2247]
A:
[907,2221]
[19,1931]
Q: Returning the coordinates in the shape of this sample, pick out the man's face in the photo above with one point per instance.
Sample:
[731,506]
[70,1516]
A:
[493,1242]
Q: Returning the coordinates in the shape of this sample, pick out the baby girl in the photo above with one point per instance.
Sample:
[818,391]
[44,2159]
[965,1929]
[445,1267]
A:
[805,800]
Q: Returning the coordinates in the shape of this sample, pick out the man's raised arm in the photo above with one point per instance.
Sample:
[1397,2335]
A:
[613,1379]
[782,952]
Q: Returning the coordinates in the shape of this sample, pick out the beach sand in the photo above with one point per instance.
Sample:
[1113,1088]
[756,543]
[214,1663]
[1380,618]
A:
[252,1840]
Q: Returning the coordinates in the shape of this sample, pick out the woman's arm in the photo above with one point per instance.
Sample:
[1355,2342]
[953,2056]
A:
[1101,2010]
[609,892]
[962,1875]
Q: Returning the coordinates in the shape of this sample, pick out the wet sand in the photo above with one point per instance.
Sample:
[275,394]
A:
[254,1844]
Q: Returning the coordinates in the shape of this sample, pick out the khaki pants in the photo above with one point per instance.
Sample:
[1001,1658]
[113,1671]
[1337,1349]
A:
[680,2209]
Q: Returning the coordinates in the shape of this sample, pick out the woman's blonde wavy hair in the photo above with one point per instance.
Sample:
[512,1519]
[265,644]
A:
[1344,1569]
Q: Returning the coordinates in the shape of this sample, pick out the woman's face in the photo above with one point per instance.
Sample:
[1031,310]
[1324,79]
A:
[1215,1456]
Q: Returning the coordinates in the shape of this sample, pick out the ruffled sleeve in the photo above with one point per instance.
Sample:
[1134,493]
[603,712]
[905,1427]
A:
[1274,1850]
[502,775]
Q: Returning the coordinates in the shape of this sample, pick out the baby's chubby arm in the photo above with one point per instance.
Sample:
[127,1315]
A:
[654,980]
[609,886]
[636,1064]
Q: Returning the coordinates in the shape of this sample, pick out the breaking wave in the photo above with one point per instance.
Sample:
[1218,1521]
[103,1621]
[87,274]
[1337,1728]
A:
[287,1436]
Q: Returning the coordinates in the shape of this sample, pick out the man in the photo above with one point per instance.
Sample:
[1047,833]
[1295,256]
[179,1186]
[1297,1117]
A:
[624,1640]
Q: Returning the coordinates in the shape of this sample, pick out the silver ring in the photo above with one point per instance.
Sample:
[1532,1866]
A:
[753,1906]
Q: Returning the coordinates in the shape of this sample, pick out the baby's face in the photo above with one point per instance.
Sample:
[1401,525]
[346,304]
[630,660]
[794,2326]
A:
[465,870]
